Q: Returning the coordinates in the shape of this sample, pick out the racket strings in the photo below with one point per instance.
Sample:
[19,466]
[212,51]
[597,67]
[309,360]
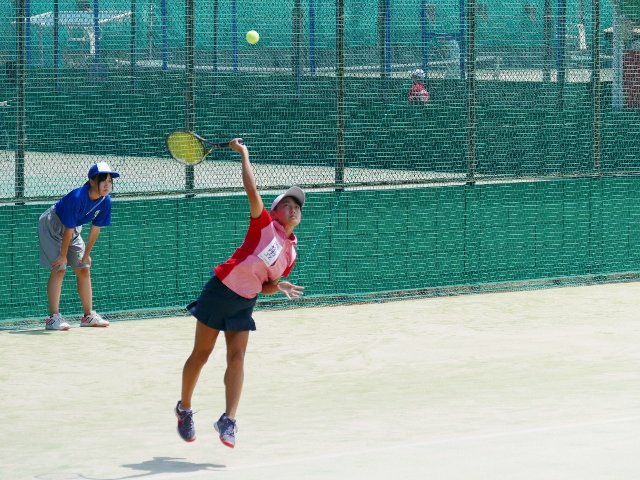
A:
[186,148]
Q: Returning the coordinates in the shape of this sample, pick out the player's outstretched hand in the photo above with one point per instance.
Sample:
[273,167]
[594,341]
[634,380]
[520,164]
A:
[85,262]
[59,263]
[237,144]
[290,290]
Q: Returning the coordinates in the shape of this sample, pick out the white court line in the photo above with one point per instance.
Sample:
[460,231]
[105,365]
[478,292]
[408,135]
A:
[444,441]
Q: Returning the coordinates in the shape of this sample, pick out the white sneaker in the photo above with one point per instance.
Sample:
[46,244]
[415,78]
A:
[56,322]
[93,320]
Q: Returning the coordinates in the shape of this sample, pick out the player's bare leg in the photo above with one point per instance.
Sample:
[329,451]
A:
[54,288]
[85,291]
[205,339]
[203,344]
[234,375]
[83,283]
[55,321]
[233,380]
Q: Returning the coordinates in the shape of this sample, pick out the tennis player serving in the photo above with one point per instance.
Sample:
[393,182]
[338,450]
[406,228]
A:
[227,300]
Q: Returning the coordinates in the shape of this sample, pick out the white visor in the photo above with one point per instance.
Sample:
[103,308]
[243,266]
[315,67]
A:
[295,192]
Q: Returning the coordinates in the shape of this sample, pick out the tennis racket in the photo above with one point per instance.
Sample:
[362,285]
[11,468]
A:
[190,148]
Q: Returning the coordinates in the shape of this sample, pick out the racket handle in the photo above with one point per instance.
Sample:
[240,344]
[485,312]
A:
[226,144]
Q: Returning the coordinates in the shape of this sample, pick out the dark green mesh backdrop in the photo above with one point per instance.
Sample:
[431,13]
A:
[521,168]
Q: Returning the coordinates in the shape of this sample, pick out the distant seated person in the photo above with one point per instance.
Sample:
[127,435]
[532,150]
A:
[418,93]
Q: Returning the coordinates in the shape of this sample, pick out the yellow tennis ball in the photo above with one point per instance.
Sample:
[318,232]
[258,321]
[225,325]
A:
[253,37]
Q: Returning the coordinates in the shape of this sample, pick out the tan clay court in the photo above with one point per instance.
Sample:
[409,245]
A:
[541,384]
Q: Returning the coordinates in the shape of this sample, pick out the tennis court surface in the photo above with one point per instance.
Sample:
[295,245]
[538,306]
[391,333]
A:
[540,384]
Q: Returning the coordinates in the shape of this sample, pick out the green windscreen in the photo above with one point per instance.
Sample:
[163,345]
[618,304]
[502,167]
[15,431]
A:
[519,171]
[630,9]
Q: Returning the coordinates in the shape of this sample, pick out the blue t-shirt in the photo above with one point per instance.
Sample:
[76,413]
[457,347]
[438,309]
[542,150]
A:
[76,208]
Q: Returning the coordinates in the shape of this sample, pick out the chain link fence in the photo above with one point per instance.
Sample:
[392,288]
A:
[446,146]
[516,90]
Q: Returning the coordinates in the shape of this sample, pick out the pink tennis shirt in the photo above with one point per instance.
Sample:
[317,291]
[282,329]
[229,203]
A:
[266,254]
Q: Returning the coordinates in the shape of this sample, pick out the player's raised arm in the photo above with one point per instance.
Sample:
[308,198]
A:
[248,178]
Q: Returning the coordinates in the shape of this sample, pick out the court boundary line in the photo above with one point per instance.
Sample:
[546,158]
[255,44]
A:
[468,438]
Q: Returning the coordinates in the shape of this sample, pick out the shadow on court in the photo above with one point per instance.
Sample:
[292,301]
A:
[161,465]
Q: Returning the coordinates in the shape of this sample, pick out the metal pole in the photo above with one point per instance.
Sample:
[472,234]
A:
[150,30]
[471,91]
[56,41]
[461,43]
[340,107]
[27,34]
[424,36]
[96,33]
[214,60]
[216,23]
[548,49]
[596,87]
[384,37]
[134,34]
[617,96]
[387,38]
[234,33]
[297,19]
[21,54]
[164,28]
[560,60]
[189,83]
[312,37]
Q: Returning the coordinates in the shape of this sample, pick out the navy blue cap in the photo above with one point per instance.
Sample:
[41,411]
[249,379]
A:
[102,167]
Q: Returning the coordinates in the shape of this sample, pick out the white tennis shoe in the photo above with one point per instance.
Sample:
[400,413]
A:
[93,320]
[56,322]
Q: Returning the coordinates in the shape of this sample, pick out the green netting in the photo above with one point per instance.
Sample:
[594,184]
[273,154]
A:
[520,169]
[630,9]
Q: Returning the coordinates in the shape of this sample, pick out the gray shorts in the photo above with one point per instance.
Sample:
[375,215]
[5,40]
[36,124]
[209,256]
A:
[50,231]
